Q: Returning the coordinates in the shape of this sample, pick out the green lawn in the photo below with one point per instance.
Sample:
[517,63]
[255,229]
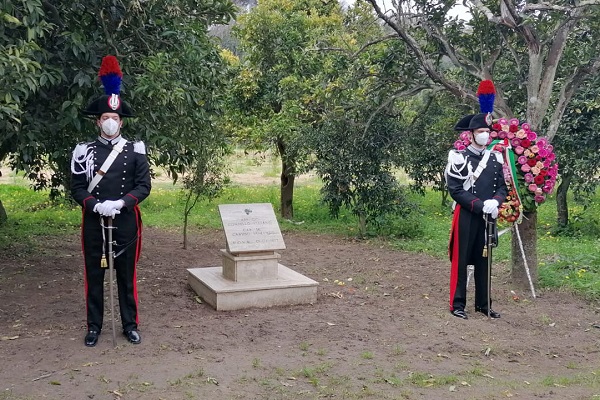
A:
[567,261]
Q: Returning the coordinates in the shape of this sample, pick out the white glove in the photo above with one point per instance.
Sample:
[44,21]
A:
[110,208]
[489,206]
[96,208]
[494,214]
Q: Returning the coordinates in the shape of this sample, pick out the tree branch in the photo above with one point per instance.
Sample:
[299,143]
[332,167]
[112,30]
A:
[425,62]
[568,91]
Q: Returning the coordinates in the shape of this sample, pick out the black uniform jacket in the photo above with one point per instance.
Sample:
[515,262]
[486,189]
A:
[489,185]
[127,179]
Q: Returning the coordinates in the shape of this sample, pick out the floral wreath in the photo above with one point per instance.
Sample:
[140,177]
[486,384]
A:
[530,167]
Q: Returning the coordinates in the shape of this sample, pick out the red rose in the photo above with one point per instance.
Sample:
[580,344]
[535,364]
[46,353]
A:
[531,162]
[525,143]
[538,180]
[496,127]
[513,128]
[543,172]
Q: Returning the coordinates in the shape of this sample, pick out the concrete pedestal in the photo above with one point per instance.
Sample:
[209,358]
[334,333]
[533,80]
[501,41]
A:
[286,288]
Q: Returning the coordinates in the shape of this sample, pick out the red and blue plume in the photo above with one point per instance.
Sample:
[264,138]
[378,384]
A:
[110,74]
[486,92]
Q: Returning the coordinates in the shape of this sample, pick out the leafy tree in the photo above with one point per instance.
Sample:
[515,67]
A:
[577,150]
[427,123]
[355,132]
[173,77]
[275,74]
[527,44]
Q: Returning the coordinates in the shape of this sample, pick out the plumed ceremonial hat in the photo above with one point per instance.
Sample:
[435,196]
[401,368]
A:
[486,94]
[110,74]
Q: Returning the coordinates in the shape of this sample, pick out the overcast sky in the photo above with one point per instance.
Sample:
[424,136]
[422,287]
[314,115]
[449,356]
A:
[458,9]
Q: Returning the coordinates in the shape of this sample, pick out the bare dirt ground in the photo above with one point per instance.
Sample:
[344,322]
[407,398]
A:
[386,333]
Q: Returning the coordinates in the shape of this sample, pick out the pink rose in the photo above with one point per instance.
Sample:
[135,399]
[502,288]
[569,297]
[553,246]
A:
[534,149]
[539,198]
[461,147]
[525,168]
[510,135]
[547,188]
[535,170]
[538,191]
[526,126]
[532,187]
[550,147]
[522,160]
[528,178]
[515,142]
[521,134]
[464,135]
[502,121]
[501,134]
[551,157]
[527,152]
[531,135]
[493,134]
[539,164]
[519,150]
[514,121]
[542,142]
[543,153]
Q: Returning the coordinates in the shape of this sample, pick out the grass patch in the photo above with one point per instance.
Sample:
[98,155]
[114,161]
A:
[567,260]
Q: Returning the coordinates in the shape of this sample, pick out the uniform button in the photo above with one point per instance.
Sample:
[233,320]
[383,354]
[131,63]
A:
[121,192]
[122,185]
[124,172]
[124,163]
[125,156]
[123,178]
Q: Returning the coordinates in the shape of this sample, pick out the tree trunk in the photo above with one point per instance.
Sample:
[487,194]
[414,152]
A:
[287,183]
[562,209]
[3,216]
[528,234]
[287,193]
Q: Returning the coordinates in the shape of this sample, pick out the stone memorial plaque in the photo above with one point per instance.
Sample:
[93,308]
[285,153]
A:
[251,228]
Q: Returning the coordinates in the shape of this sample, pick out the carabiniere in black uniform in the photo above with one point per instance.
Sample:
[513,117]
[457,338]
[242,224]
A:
[110,177]
[127,179]
[467,236]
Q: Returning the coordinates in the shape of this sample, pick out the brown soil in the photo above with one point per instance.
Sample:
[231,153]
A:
[386,333]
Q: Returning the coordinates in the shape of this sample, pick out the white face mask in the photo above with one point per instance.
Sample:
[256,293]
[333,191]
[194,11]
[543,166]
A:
[110,127]
[482,138]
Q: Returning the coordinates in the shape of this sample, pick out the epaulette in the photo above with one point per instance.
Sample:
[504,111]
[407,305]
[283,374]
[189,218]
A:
[80,149]
[139,147]
[456,157]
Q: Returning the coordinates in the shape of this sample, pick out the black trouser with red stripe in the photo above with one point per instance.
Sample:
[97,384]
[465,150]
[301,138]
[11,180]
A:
[126,235]
[466,248]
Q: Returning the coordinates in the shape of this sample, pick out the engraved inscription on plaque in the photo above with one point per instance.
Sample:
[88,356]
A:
[251,227]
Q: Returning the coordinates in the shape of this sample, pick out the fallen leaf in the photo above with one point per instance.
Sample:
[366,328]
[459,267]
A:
[9,337]
[452,388]
[116,393]
[330,324]
[487,352]
[488,376]
[198,299]
[212,380]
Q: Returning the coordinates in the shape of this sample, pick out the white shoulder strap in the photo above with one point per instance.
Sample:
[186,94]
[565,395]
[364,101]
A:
[482,164]
[117,148]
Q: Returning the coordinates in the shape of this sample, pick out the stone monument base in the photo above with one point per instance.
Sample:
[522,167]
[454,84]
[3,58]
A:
[289,288]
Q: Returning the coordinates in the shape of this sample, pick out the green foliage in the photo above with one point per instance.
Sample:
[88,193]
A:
[565,261]
[577,145]
[51,53]
[427,135]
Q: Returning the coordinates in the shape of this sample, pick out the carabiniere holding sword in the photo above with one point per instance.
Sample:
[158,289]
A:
[110,177]
[475,181]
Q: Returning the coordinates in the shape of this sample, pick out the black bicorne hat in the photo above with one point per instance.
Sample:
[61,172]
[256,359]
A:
[483,120]
[463,124]
[110,74]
